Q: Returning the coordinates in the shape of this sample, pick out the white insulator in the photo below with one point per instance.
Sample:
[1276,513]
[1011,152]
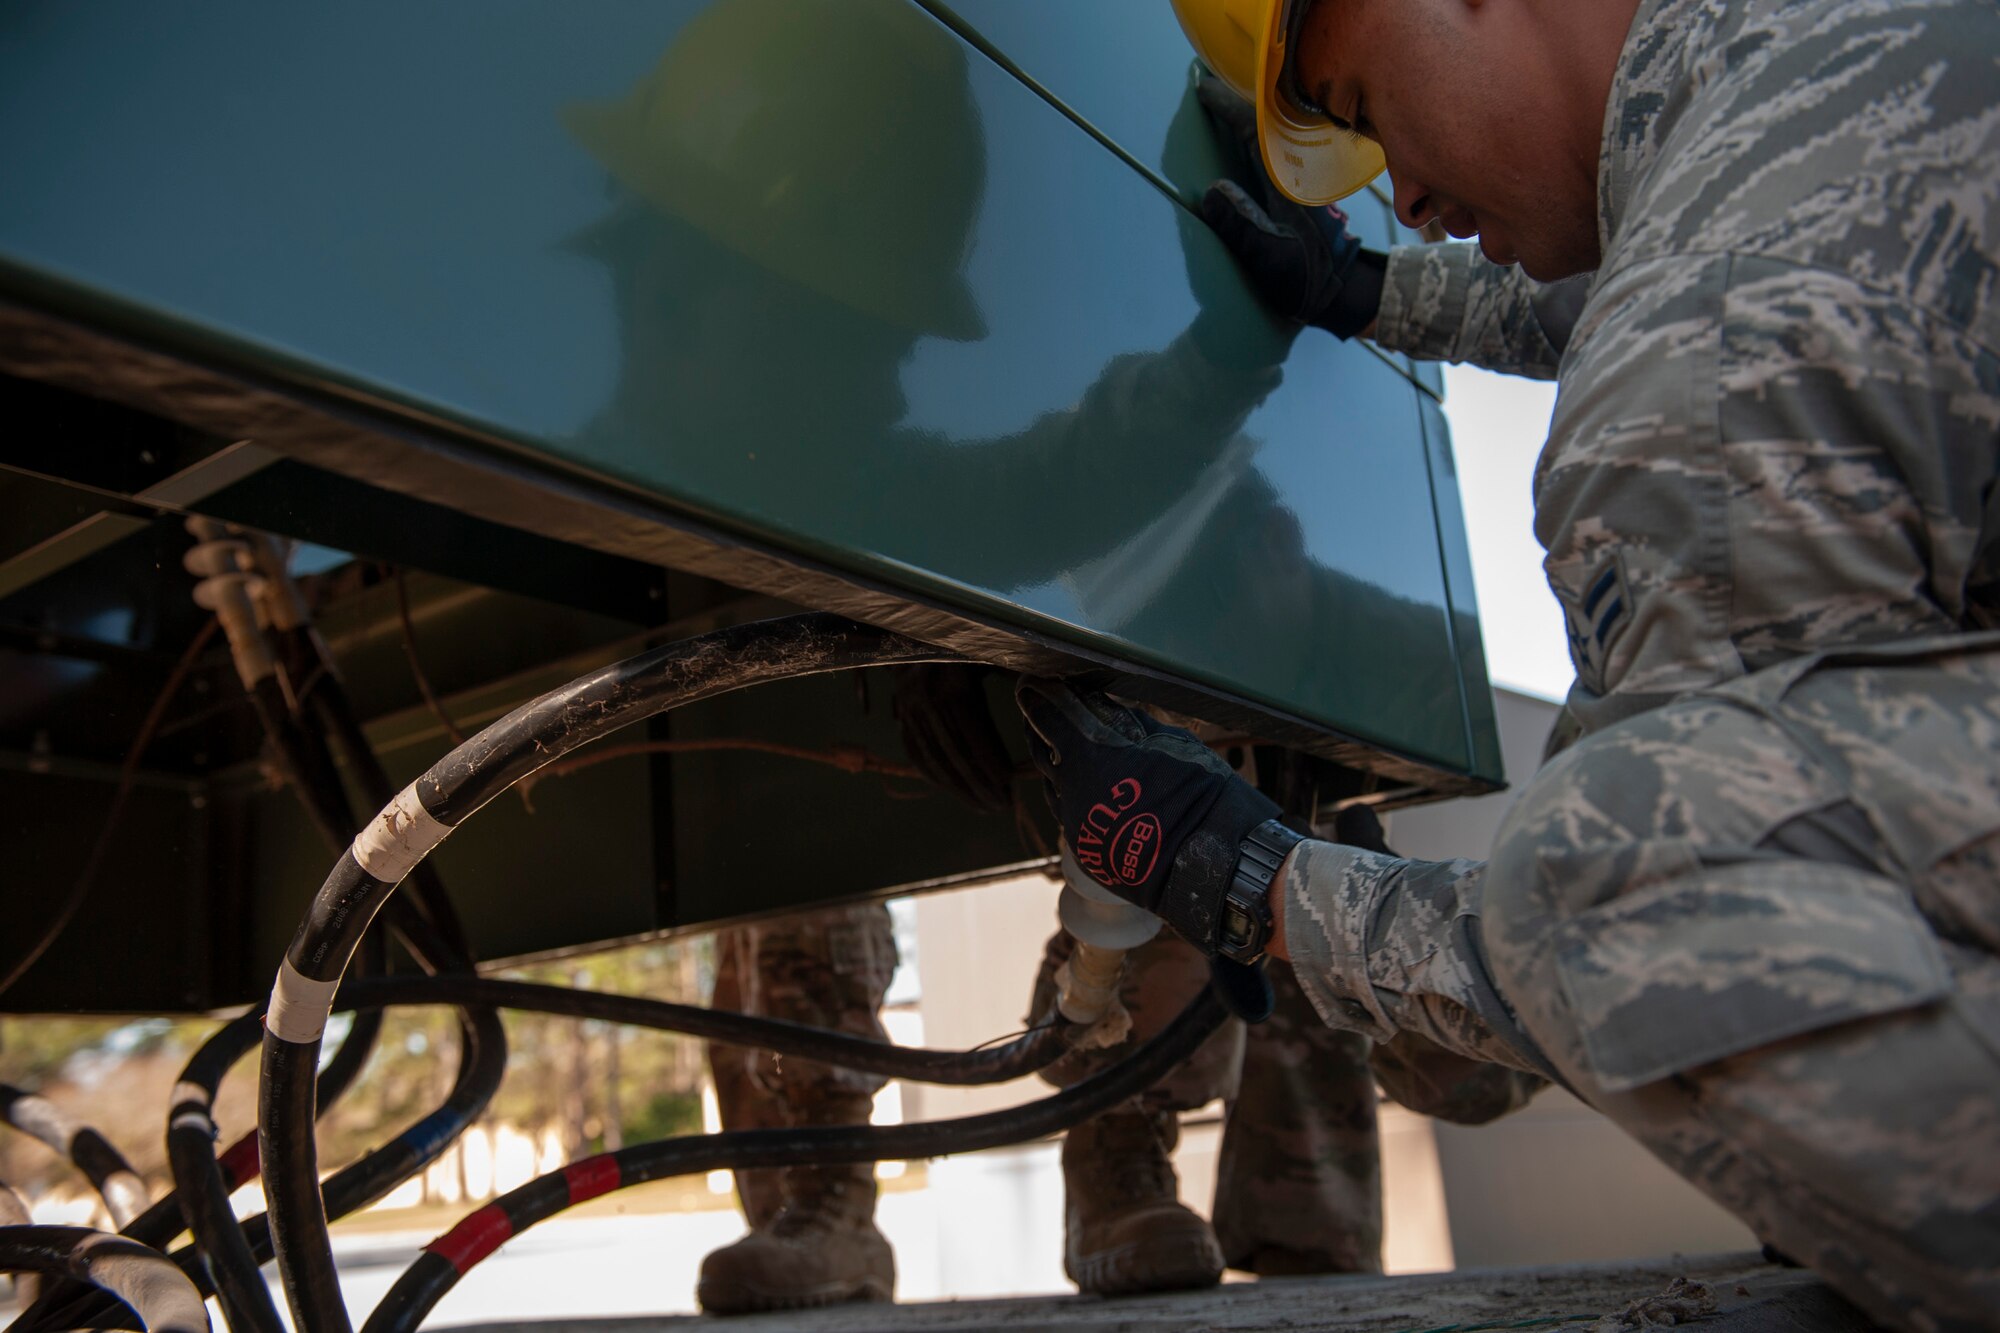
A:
[222,593]
[284,606]
[226,567]
[1104,927]
[219,557]
[230,585]
[1096,915]
[1087,993]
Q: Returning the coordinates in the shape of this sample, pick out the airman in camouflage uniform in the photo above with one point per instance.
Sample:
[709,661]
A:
[1753,913]
[813,1239]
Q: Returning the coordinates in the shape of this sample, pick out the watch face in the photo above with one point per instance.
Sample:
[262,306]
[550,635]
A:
[1237,926]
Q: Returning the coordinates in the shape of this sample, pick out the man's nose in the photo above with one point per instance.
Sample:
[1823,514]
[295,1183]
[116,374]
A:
[1413,202]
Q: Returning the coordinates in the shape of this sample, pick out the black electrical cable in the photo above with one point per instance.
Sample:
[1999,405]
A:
[449,1257]
[482,1062]
[204,1189]
[164,1300]
[328,699]
[159,1224]
[400,836]
[304,750]
[670,676]
[245,602]
[1025,1054]
[123,1192]
[206,1182]
[317,789]
[238,1283]
[351,1057]
[320,689]
[307,763]
[288,751]
[244,581]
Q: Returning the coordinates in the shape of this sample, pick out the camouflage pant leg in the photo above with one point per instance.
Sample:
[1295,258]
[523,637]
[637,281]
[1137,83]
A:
[1161,977]
[1298,1187]
[830,969]
[1760,929]
[738,1100]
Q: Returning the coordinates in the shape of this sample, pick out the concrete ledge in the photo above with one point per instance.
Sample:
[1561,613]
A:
[1748,1296]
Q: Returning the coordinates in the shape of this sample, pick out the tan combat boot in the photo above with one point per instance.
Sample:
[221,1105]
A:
[1124,1229]
[821,1249]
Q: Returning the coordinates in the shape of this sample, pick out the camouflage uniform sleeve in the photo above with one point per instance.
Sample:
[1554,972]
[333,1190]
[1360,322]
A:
[1384,946]
[1450,303]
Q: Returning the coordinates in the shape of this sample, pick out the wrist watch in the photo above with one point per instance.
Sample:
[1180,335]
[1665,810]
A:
[1245,929]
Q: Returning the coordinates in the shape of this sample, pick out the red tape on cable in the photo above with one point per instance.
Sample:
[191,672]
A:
[591,1177]
[474,1238]
[240,1164]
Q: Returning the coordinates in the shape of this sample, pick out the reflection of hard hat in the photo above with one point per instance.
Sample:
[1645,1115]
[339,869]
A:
[832,141]
[1247,43]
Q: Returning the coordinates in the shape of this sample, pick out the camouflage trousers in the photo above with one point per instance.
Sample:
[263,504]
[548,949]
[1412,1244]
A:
[830,969]
[1758,927]
[1299,1181]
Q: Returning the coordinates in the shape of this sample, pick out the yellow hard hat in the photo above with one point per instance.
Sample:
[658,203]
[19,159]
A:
[1246,43]
[834,142]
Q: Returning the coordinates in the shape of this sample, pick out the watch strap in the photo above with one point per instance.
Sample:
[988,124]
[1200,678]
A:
[1244,931]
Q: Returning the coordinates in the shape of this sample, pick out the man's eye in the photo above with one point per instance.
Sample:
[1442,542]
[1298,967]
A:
[1349,125]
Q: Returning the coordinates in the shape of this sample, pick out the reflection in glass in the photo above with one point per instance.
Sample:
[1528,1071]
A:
[780,236]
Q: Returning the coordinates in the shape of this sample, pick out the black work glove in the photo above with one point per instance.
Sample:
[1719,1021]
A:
[1301,259]
[1153,815]
[1148,811]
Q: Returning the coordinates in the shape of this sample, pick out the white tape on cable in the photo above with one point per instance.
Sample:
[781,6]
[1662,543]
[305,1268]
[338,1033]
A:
[299,1005]
[195,1100]
[395,840]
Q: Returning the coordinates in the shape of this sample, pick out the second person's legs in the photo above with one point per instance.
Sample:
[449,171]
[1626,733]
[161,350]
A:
[829,969]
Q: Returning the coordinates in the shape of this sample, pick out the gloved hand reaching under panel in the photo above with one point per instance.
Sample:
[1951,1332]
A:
[1157,817]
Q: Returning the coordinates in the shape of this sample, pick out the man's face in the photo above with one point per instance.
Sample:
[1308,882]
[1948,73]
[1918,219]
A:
[1483,125]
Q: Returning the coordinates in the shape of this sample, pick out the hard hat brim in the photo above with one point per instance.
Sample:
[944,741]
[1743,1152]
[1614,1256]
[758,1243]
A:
[1311,161]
